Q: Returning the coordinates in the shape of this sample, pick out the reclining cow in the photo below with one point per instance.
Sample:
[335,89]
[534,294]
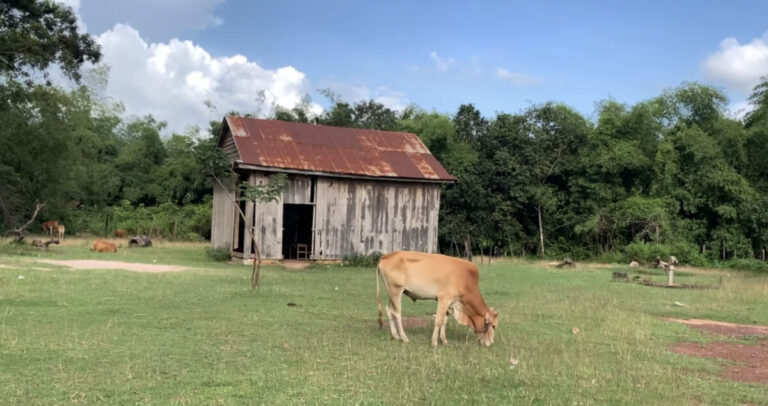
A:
[452,282]
[103,246]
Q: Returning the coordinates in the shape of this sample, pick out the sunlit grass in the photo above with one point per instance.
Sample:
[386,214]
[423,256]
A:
[204,337]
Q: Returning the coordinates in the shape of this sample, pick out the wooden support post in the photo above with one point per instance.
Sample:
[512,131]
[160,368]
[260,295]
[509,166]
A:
[671,275]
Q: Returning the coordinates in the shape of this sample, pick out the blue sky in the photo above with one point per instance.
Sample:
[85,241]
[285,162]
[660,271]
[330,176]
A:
[501,56]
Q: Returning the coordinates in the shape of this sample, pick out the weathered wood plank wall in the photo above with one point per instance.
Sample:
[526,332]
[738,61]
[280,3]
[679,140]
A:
[351,216]
[222,219]
[229,147]
[299,190]
[361,217]
[267,220]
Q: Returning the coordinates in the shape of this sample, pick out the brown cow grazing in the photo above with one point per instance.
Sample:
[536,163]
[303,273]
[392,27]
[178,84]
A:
[60,229]
[120,233]
[103,246]
[50,226]
[450,281]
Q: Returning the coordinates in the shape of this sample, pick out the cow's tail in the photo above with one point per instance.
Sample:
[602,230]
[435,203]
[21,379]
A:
[378,299]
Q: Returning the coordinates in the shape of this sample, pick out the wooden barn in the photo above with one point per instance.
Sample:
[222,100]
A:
[350,191]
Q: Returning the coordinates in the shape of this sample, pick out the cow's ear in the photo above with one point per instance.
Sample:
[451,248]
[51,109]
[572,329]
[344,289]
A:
[494,312]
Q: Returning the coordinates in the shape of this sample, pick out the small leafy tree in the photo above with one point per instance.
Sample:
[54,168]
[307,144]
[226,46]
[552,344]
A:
[218,166]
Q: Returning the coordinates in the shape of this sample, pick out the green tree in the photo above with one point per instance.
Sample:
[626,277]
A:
[37,34]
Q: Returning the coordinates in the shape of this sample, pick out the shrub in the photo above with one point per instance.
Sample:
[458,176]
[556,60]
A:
[747,264]
[685,252]
[217,254]
[367,261]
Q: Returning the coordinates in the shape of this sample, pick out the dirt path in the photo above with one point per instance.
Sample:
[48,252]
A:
[744,362]
[722,328]
[127,266]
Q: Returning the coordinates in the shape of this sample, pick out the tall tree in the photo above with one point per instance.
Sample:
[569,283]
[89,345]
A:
[37,34]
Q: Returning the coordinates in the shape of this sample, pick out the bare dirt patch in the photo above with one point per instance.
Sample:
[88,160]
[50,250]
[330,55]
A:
[751,361]
[722,328]
[744,362]
[80,264]
[294,264]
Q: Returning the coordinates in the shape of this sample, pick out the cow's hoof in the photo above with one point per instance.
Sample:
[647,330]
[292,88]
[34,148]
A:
[434,345]
[405,340]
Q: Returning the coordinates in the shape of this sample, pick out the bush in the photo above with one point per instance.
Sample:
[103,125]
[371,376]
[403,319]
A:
[191,222]
[366,261]
[747,264]
[686,253]
[217,254]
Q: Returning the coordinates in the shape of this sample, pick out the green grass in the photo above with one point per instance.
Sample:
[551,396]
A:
[204,337]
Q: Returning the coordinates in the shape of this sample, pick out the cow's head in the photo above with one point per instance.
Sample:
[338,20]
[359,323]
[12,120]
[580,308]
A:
[489,328]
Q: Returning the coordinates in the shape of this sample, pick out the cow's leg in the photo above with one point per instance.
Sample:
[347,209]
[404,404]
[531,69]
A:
[442,331]
[440,319]
[391,320]
[396,296]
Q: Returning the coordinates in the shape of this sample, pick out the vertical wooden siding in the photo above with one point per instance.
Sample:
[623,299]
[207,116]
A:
[299,190]
[362,217]
[222,219]
[351,217]
[267,223]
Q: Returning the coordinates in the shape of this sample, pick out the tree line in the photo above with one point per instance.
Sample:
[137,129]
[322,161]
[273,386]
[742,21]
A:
[671,175]
[674,174]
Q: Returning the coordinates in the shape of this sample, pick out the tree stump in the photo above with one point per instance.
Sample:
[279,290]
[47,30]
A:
[566,262]
[140,241]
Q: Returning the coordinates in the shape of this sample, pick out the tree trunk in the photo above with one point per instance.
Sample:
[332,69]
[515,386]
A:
[723,250]
[703,249]
[468,248]
[175,224]
[670,276]
[541,232]
[256,272]
[763,252]
[19,231]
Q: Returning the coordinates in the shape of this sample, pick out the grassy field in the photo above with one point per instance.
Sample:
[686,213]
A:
[202,336]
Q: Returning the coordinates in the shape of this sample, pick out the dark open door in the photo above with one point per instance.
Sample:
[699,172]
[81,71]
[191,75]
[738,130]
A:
[297,231]
[239,223]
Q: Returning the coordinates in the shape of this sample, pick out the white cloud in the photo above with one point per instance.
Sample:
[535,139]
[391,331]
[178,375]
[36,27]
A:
[738,66]
[75,6]
[738,110]
[442,64]
[355,93]
[173,80]
[516,78]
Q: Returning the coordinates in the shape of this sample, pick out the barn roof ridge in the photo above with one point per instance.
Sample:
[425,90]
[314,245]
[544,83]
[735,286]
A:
[335,150]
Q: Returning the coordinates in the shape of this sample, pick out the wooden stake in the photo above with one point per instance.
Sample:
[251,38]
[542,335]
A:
[723,250]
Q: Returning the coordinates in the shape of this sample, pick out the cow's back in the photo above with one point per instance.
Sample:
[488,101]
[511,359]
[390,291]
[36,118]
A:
[425,276]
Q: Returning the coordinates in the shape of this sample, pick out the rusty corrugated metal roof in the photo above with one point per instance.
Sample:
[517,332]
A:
[334,150]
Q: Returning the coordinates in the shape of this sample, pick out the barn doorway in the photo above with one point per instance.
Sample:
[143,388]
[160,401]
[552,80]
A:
[239,239]
[297,231]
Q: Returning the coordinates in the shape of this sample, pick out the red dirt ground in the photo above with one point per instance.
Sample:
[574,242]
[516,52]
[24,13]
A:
[746,362]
